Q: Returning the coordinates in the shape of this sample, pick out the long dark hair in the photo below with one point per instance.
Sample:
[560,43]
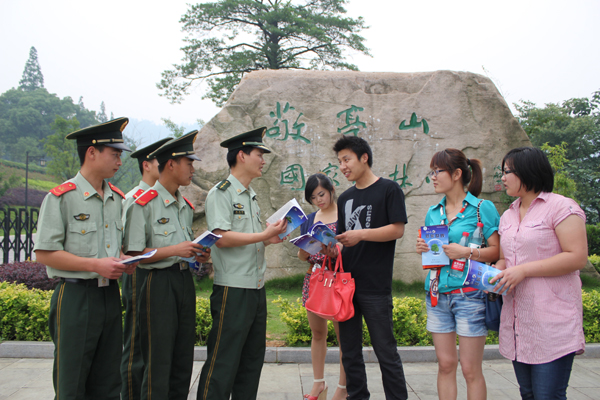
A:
[453,159]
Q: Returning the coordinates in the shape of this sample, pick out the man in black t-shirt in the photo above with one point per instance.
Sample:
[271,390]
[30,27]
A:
[371,216]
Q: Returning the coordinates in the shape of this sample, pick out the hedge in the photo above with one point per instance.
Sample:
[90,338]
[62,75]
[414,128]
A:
[595,260]
[593,238]
[409,318]
[24,314]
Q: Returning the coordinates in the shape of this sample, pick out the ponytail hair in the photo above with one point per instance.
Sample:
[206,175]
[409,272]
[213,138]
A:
[453,159]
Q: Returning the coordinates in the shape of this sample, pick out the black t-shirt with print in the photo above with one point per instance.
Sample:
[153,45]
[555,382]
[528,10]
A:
[371,263]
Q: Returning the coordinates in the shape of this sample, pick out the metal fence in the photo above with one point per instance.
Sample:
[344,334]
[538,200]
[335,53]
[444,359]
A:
[18,226]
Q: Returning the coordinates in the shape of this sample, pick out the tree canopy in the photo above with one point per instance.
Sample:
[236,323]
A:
[229,38]
[575,122]
[32,78]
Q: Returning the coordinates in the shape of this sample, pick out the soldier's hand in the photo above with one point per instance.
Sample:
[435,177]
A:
[110,267]
[187,249]
[274,230]
[204,255]
[129,268]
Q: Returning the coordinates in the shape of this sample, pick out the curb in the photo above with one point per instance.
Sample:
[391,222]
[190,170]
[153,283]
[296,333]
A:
[296,355]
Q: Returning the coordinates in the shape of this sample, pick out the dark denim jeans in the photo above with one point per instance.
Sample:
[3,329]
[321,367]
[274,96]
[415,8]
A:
[544,381]
[377,311]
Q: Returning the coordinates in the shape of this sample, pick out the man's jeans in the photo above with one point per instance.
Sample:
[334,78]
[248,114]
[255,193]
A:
[377,311]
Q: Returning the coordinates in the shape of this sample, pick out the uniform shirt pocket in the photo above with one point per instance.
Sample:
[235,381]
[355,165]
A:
[83,239]
[163,235]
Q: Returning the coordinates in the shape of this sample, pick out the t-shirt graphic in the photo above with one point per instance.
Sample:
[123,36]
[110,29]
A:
[352,217]
[378,205]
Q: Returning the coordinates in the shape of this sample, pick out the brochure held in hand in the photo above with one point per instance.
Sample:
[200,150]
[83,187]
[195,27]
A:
[131,260]
[293,213]
[435,236]
[317,235]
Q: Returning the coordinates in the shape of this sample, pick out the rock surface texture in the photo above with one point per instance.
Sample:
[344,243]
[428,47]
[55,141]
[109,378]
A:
[405,117]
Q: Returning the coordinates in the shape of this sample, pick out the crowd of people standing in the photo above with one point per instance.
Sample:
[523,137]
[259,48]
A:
[89,230]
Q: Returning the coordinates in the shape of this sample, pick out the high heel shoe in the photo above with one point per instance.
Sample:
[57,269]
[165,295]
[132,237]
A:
[322,395]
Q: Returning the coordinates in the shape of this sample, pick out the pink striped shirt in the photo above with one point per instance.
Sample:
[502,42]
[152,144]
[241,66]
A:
[542,320]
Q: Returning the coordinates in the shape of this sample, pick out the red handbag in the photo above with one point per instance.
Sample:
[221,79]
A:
[330,292]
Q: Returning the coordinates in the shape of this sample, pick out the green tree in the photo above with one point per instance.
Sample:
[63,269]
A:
[102,114]
[64,161]
[563,185]
[30,114]
[24,145]
[128,174]
[229,38]
[6,184]
[32,78]
[178,130]
[575,122]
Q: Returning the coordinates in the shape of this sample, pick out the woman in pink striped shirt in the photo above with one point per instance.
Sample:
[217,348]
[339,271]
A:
[543,245]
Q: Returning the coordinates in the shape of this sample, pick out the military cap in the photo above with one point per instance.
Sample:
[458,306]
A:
[106,134]
[143,154]
[252,138]
[181,146]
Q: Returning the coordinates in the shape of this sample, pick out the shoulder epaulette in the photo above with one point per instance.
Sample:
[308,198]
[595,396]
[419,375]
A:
[116,190]
[138,193]
[223,185]
[146,197]
[64,188]
[189,202]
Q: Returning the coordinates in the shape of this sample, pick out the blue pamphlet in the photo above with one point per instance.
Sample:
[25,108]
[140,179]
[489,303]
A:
[207,239]
[293,213]
[435,236]
[317,234]
[479,276]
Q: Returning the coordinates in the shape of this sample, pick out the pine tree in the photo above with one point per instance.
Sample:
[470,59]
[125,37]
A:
[32,74]
[102,115]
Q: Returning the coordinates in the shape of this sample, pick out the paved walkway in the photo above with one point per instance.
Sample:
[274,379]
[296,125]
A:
[31,378]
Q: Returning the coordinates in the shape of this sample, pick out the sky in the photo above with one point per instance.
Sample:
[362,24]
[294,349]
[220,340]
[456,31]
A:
[544,51]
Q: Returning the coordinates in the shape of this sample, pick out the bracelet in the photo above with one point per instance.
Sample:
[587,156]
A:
[478,254]
[470,255]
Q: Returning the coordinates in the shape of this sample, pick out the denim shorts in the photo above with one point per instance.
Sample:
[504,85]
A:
[463,313]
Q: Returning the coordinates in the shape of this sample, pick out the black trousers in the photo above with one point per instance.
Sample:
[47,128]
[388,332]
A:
[377,311]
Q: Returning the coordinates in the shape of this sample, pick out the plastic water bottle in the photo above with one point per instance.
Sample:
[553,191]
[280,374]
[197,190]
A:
[477,237]
[458,265]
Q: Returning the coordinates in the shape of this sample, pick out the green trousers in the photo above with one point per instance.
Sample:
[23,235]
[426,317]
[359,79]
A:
[236,344]
[167,323]
[132,363]
[85,326]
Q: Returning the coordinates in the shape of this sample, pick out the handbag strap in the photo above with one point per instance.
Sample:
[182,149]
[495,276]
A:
[338,261]
[479,220]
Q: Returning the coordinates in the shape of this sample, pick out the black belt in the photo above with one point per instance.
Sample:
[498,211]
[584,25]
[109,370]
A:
[179,266]
[87,282]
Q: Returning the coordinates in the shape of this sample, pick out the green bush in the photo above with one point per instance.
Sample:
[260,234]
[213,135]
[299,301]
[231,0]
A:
[24,312]
[32,166]
[593,238]
[591,315]
[409,319]
[595,260]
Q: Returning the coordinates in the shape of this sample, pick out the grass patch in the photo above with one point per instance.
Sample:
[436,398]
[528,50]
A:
[8,171]
[290,288]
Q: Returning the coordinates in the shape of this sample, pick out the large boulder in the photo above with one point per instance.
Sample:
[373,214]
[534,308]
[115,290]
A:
[406,118]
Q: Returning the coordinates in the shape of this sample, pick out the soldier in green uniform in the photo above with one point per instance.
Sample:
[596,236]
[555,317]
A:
[79,239]
[132,364]
[236,343]
[161,219]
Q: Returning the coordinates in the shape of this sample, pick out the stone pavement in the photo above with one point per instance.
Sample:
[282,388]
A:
[31,378]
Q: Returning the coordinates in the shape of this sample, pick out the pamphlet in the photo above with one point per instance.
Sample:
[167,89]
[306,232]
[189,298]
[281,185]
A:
[479,277]
[435,236]
[207,239]
[317,234]
[293,213]
[140,257]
